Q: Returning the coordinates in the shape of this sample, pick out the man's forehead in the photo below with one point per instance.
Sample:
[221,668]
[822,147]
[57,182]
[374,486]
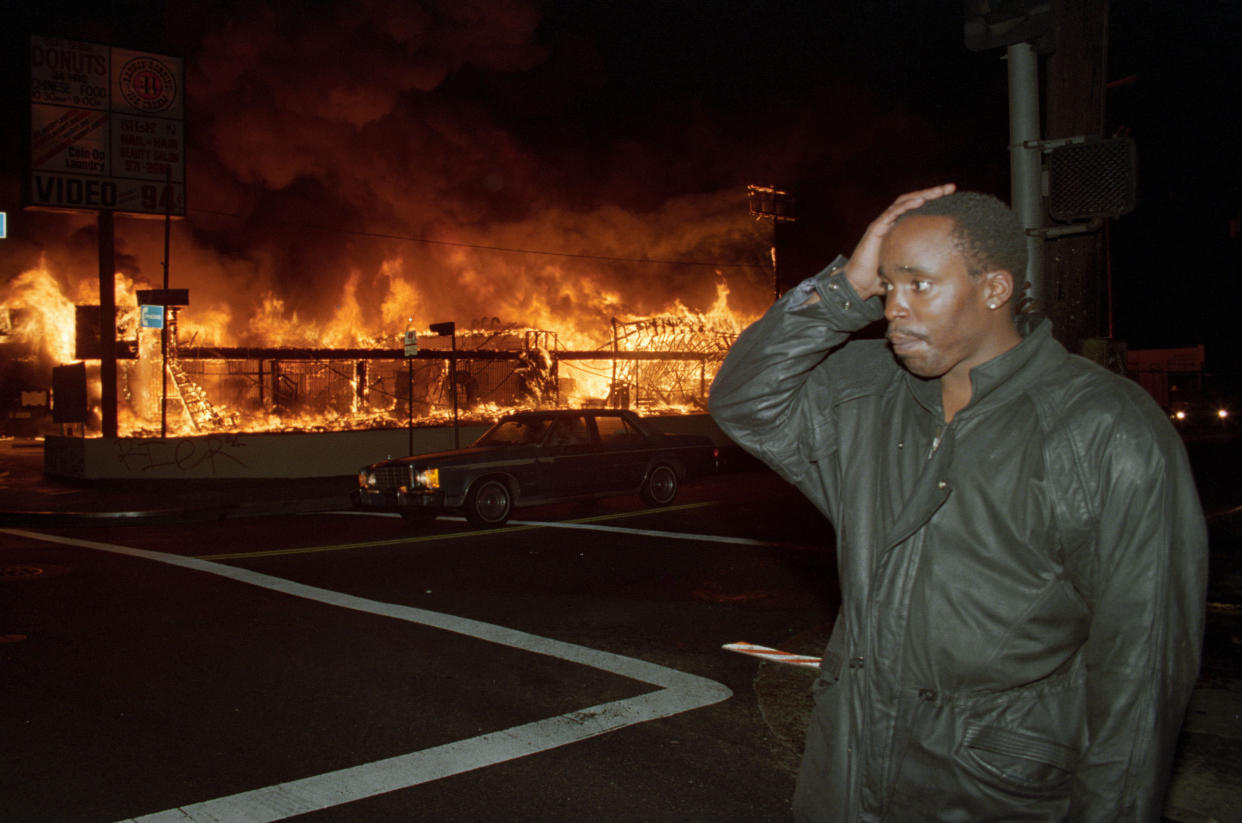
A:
[930,226]
[919,244]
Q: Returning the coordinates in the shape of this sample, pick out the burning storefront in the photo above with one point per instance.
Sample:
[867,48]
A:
[659,364]
[314,223]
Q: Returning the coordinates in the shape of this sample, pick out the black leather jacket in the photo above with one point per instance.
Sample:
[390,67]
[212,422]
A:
[1023,589]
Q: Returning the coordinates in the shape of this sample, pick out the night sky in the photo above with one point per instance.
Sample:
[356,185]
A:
[599,152]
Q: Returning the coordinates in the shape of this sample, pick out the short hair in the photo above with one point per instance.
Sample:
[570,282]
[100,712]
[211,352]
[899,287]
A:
[986,231]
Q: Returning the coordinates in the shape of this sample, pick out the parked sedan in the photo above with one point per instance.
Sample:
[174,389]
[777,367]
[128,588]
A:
[538,457]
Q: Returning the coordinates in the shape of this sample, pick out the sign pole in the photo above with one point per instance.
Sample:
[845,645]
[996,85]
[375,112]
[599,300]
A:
[106,125]
[164,327]
[453,384]
[107,324]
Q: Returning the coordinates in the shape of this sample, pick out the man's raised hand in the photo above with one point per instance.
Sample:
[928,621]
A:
[863,268]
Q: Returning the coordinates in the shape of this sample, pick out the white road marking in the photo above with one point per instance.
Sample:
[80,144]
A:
[678,692]
[585,525]
[364,513]
[706,538]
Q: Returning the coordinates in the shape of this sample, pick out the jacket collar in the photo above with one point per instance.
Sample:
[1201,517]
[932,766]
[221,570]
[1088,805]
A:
[1004,376]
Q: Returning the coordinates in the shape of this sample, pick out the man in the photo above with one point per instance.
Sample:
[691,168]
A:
[1020,546]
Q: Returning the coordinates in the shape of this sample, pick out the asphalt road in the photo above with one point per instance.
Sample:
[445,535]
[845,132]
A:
[260,669]
[347,667]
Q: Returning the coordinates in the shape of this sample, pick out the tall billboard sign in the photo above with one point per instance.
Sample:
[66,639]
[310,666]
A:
[107,129]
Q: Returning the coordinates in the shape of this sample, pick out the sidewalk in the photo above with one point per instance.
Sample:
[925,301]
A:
[28,498]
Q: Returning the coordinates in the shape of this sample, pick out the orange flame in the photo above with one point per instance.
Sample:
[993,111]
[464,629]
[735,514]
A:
[47,313]
[569,312]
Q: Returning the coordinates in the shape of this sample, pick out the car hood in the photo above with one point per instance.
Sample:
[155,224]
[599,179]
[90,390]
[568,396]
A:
[457,457]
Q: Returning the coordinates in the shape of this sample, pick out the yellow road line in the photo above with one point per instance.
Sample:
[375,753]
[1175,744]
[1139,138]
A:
[425,538]
[619,515]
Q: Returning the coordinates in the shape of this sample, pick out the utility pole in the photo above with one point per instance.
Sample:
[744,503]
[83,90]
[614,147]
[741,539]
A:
[771,203]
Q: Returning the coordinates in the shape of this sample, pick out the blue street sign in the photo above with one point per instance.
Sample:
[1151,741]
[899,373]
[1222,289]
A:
[4,224]
[152,317]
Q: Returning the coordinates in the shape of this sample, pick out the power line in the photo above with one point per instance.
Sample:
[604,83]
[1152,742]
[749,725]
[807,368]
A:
[506,249]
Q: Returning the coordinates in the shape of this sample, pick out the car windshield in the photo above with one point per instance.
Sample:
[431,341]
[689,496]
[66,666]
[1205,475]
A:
[514,433]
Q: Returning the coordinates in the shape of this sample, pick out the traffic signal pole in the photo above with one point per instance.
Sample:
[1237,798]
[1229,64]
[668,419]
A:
[1076,95]
[1025,159]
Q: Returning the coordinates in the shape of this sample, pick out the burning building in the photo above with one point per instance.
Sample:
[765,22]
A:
[353,170]
[661,363]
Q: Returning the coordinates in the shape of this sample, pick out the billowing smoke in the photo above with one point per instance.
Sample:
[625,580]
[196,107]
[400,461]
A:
[350,165]
[364,152]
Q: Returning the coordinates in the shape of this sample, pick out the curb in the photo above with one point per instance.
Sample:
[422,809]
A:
[228,511]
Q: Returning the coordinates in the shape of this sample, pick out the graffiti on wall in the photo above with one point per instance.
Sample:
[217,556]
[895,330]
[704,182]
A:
[200,455]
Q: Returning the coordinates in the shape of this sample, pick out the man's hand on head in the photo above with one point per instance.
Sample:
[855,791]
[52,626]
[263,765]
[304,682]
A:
[863,269]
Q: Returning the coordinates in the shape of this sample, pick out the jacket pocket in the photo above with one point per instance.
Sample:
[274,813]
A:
[1016,761]
[834,658]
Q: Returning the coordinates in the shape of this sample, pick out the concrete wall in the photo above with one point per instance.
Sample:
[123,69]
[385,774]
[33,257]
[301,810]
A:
[318,454]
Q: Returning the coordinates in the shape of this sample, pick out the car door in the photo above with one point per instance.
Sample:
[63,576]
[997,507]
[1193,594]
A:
[570,455]
[623,453]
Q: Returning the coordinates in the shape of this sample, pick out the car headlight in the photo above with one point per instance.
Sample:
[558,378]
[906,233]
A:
[427,478]
[366,479]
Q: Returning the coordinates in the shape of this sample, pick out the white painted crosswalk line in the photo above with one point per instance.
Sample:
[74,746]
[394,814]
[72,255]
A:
[677,692]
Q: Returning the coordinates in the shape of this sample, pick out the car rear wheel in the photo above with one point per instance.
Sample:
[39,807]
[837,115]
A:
[489,503]
[660,487]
